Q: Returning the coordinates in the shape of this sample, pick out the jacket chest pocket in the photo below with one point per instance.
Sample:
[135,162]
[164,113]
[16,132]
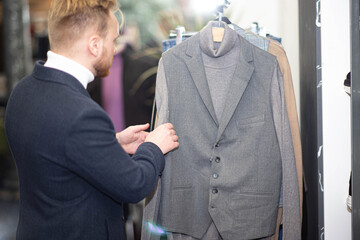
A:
[252,121]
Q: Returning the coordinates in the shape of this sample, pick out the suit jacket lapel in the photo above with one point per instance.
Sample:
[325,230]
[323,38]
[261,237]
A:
[196,68]
[242,75]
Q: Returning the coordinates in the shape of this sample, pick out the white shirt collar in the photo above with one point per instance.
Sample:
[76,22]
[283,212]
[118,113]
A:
[69,66]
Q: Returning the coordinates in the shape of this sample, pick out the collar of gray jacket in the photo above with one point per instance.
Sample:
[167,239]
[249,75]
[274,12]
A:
[217,49]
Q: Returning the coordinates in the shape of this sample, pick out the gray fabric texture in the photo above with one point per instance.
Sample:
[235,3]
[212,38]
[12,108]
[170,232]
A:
[260,42]
[251,138]
[219,65]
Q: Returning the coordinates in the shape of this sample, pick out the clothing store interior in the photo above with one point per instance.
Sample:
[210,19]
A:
[316,47]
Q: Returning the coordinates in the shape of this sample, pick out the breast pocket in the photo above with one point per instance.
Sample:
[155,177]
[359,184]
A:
[252,121]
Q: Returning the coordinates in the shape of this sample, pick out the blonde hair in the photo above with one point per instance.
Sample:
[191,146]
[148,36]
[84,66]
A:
[68,19]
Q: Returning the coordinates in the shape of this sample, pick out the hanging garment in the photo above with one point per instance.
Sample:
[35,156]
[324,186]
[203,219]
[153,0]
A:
[277,50]
[260,42]
[139,84]
[169,43]
[239,188]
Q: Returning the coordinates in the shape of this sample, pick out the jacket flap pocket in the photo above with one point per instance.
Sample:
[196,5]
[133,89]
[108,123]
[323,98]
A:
[254,120]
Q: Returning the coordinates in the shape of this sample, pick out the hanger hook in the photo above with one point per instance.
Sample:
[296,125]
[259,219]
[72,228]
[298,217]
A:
[220,9]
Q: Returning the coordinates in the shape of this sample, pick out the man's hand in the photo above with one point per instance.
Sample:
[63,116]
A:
[132,137]
[164,137]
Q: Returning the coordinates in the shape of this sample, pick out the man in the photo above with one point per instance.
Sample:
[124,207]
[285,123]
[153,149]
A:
[74,171]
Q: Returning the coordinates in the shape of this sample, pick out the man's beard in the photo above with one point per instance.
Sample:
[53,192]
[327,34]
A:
[102,67]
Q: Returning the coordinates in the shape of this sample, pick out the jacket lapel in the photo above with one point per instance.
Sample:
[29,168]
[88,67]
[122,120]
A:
[242,76]
[196,68]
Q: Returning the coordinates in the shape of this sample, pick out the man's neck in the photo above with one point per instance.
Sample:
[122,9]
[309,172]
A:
[70,66]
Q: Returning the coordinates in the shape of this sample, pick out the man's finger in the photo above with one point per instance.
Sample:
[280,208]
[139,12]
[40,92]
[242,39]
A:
[142,127]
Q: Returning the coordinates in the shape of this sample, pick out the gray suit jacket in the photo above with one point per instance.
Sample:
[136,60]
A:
[227,170]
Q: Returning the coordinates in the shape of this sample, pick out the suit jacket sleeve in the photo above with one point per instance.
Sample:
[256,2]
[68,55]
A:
[277,50]
[152,202]
[161,95]
[92,152]
[291,211]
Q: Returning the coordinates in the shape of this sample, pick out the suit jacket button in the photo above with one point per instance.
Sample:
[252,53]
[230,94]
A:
[215,175]
[215,191]
[217,159]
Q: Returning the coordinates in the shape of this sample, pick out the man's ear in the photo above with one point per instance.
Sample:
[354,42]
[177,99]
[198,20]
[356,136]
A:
[95,45]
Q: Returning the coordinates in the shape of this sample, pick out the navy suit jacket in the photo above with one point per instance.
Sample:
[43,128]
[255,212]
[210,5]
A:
[74,175]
